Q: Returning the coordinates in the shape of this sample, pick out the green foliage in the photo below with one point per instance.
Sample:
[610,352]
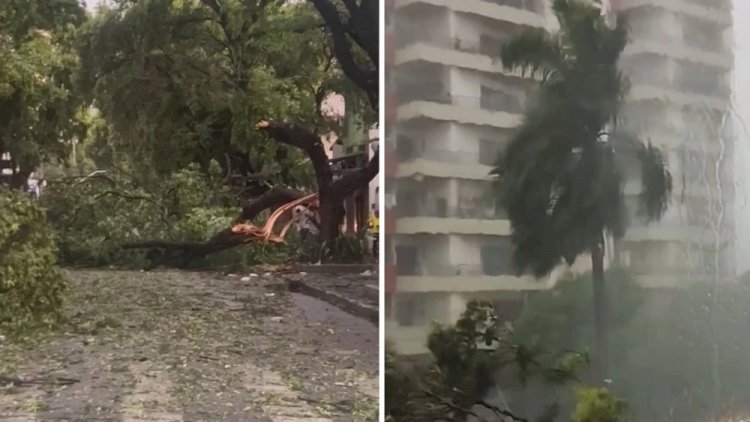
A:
[560,178]
[598,405]
[217,72]
[677,354]
[345,249]
[93,216]
[470,360]
[31,287]
[561,318]
[38,101]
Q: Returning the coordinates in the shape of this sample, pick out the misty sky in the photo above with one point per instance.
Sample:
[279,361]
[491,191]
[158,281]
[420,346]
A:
[741,97]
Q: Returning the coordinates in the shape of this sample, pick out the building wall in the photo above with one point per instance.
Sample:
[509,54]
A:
[442,135]
[679,63]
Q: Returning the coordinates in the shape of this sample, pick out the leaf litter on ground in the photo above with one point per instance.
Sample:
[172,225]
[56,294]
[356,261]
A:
[193,346]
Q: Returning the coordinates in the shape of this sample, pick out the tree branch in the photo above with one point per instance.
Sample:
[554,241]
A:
[269,200]
[348,183]
[366,79]
[308,142]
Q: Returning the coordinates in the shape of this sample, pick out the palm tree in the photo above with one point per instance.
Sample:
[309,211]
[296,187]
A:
[561,177]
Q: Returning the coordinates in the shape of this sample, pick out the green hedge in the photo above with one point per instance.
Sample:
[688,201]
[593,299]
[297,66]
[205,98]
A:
[31,286]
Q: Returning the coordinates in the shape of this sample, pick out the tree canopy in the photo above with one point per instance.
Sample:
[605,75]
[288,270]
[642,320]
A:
[184,81]
[39,108]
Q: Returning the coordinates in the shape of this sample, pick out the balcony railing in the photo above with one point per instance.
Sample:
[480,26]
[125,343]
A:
[410,94]
[473,212]
[405,39]
[412,149]
[530,5]
[441,270]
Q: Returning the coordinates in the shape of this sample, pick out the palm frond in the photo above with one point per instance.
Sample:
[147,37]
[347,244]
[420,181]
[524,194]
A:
[656,183]
[557,180]
[533,51]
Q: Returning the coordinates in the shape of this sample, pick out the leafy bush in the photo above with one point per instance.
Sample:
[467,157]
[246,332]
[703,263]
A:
[94,216]
[472,368]
[31,287]
[598,405]
[677,355]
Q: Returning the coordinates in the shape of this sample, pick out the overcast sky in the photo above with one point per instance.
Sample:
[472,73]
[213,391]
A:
[741,96]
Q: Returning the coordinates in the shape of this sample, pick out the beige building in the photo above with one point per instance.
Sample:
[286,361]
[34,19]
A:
[455,110]
[679,62]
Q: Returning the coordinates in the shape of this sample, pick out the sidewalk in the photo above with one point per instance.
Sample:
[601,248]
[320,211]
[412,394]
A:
[177,346]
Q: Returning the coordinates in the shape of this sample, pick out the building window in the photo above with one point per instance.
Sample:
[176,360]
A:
[407,260]
[407,202]
[406,148]
[490,46]
[489,152]
[411,309]
[496,100]
[496,258]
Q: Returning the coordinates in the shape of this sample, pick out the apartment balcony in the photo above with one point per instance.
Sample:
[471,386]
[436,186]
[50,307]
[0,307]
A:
[697,9]
[467,220]
[472,110]
[439,48]
[677,97]
[669,232]
[692,53]
[442,163]
[520,12]
[468,278]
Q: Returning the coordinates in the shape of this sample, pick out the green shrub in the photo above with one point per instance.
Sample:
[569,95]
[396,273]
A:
[31,287]
[93,217]
[677,354]
[598,405]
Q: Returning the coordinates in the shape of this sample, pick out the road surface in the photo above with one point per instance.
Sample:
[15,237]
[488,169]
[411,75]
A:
[177,346]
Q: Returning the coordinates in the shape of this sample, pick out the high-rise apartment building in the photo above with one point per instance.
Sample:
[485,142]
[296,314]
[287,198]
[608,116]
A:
[679,62]
[451,108]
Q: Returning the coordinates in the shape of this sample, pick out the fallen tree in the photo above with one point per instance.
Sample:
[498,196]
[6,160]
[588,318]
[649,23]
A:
[330,198]
[352,46]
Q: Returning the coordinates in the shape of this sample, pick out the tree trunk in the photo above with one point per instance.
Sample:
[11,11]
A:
[331,214]
[601,310]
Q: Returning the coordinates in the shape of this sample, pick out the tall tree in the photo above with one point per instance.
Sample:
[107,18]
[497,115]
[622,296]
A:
[229,73]
[38,103]
[561,176]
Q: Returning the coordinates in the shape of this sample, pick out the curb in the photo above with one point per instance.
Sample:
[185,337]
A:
[349,306]
[335,268]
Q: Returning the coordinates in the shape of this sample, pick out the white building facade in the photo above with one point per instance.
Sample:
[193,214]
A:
[456,108]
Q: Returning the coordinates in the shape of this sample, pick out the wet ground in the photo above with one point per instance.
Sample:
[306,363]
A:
[175,346]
